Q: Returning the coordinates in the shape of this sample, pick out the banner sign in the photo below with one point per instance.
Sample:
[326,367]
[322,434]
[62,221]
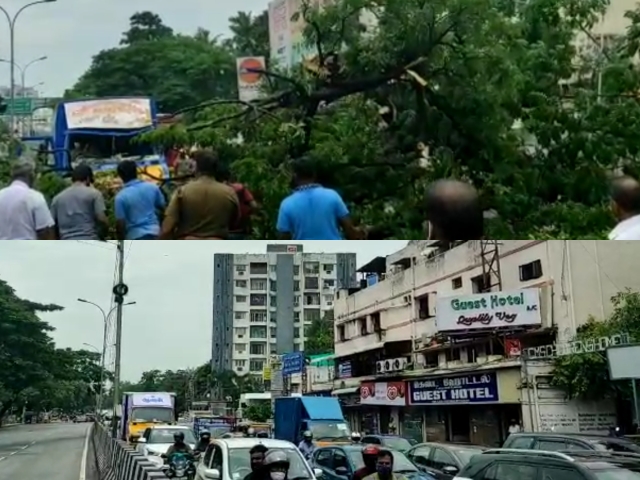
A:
[488,310]
[152,400]
[383,393]
[249,82]
[292,363]
[109,114]
[476,388]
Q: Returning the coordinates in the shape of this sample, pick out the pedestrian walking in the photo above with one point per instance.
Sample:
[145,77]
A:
[79,210]
[625,202]
[138,205]
[24,214]
[204,208]
[248,206]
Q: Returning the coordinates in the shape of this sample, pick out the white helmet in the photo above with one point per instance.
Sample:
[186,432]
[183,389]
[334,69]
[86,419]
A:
[355,436]
[276,457]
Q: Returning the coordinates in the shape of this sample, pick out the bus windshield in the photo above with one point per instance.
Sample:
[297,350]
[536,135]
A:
[95,149]
[152,414]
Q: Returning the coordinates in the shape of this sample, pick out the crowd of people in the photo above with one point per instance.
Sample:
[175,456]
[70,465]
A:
[212,206]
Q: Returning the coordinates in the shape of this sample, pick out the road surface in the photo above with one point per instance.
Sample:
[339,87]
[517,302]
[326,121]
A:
[53,451]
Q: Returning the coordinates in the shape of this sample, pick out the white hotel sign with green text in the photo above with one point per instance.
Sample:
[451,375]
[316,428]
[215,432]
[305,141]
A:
[488,310]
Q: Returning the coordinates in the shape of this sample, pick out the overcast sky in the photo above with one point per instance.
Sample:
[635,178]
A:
[171,282]
[70,32]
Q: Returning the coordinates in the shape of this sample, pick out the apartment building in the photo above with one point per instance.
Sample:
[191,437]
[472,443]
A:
[432,344]
[263,303]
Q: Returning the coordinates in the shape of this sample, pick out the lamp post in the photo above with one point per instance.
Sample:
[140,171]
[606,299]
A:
[12,46]
[105,319]
[98,394]
[23,71]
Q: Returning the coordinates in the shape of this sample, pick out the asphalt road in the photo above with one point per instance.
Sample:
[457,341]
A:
[53,451]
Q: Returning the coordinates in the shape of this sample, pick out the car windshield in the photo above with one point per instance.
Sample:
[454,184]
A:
[333,430]
[165,435]
[400,462]
[465,454]
[616,474]
[240,464]
[152,414]
[397,443]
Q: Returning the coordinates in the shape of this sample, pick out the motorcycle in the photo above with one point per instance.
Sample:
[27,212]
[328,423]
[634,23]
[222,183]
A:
[181,466]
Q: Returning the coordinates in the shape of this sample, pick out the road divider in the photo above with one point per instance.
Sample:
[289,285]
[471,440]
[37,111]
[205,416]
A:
[117,460]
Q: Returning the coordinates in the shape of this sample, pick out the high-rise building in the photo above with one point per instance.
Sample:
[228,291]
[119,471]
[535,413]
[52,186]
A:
[263,303]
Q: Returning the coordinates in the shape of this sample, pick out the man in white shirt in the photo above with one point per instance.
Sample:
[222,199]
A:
[625,200]
[514,427]
[24,214]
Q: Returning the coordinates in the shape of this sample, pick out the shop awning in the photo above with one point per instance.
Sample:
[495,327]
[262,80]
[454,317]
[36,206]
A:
[345,391]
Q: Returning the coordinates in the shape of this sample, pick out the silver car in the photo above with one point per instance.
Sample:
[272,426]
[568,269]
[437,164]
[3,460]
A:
[229,459]
[156,440]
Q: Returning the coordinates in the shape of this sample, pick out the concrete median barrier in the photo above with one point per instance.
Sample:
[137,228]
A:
[117,460]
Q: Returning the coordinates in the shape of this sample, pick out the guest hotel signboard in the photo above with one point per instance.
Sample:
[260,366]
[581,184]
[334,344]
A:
[488,310]
[465,389]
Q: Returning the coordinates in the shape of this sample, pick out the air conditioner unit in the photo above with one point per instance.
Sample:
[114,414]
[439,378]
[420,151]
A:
[388,366]
[399,364]
[380,366]
[241,273]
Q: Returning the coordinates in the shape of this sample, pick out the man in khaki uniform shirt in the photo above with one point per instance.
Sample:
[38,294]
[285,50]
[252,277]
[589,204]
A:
[203,209]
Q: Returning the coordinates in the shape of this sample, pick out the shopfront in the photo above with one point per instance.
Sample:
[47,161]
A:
[471,408]
[381,403]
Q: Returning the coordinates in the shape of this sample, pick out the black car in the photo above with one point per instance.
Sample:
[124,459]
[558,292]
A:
[510,464]
[394,442]
[443,460]
[557,442]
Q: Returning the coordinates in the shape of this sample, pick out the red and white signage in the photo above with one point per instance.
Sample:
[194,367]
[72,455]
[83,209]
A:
[383,393]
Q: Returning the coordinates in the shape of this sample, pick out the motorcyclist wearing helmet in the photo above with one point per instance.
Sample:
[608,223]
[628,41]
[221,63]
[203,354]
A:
[370,459]
[276,465]
[205,440]
[179,446]
[257,456]
[355,437]
[307,446]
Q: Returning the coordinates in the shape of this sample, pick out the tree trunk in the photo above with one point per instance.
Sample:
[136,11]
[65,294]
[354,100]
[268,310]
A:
[4,409]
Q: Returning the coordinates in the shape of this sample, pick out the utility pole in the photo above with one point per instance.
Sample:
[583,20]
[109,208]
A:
[119,292]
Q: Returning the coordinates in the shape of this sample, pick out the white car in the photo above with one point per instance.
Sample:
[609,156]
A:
[229,459]
[156,440]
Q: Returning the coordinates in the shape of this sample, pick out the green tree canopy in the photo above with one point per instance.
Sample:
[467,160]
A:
[586,375]
[320,336]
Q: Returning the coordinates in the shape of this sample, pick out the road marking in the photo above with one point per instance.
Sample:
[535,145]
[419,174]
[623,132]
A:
[83,463]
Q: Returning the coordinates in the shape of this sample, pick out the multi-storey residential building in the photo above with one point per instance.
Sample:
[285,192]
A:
[263,303]
[452,342]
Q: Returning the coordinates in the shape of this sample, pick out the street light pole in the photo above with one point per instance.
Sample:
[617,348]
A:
[105,319]
[12,47]
[99,393]
[116,375]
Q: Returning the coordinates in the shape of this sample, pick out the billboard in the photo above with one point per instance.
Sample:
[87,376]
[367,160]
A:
[250,83]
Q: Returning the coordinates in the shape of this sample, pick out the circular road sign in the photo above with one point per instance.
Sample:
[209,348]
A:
[247,77]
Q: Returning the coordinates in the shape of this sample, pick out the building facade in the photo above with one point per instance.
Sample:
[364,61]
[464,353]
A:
[263,303]
[450,343]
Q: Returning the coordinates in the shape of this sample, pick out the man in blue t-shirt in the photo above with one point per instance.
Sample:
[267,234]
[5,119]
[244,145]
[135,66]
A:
[313,212]
[137,206]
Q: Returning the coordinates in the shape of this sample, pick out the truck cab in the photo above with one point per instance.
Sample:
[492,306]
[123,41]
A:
[144,410]
[320,415]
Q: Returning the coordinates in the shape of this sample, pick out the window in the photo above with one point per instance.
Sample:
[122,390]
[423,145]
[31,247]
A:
[258,332]
[296,285]
[551,445]
[296,316]
[362,324]
[216,459]
[208,454]
[272,268]
[420,455]
[442,459]
[311,268]
[452,355]
[311,283]
[240,347]
[241,284]
[456,283]
[311,315]
[258,268]
[273,286]
[328,299]
[328,268]
[256,365]
[259,316]
[551,473]
[340,460]
[521,443]
[342,338]
[273,332]
[258,284]
[312,299]
[296,270]
[323,457]
[423,307]
[296,301]
[511,471]
[258,300]
[240,315]
[273,301]
[530,271]
[240,363]
[258,349]
[241,268]
[327,284]
[241,299]
[296,332]
[480,283]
